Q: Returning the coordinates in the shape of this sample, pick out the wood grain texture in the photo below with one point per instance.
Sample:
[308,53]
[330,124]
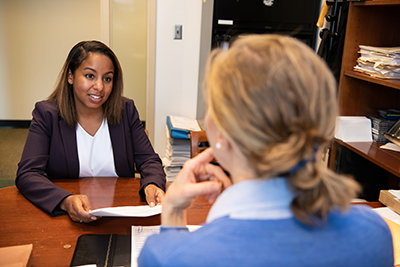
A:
[23,223]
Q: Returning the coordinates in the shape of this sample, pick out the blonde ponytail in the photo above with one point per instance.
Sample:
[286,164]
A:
[275,99]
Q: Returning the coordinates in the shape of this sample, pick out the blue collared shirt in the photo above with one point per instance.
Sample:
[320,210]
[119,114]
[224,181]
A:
[254,199]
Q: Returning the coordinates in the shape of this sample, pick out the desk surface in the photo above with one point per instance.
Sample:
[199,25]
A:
[23,223]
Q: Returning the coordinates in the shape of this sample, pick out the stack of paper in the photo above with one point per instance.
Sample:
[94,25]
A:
[178,144]
[353,129]
[176,154]
[380,62]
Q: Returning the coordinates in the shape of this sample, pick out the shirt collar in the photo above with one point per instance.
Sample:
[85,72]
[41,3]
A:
[257,199]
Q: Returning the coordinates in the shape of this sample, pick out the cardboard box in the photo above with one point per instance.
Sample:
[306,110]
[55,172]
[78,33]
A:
[389,200]
[16,256]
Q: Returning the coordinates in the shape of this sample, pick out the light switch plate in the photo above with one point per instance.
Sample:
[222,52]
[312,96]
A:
[178,32]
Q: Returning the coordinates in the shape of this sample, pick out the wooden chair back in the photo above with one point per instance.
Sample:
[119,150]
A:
[198,142]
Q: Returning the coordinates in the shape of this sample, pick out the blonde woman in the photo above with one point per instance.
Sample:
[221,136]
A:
[271,110]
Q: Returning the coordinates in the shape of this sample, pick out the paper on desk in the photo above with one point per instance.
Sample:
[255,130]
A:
[391,146]
[393,221]
[127,211]
[388,213]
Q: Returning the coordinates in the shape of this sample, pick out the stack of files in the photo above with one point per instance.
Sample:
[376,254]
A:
[176,154]
[379,62]
[379,127]
[178,144]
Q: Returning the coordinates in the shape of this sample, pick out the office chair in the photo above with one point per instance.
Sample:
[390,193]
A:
[198,142]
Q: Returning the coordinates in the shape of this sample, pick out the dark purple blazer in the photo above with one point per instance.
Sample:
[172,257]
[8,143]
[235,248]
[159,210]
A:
[51,153]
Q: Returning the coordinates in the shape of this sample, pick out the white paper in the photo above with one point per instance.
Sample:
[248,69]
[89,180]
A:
[388,213]
[391,146]
[353,129]
[127,211]
[184,123]
[395,193]
[139,235]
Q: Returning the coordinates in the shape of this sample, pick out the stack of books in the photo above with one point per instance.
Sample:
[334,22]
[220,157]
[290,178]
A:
[178,144]
[379,62]
[380,126]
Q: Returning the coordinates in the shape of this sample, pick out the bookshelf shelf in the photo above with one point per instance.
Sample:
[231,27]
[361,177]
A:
[378,3]
[386,159]
[373,23]
[389,83]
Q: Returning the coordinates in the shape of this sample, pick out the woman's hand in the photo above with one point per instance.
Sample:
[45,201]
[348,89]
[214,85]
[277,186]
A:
[197,177]
[78,208]
[154,195]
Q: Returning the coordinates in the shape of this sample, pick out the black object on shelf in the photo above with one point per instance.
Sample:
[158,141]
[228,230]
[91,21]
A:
[233,18]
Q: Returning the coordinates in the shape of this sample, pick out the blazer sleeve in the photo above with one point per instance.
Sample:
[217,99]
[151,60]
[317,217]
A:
[147,162]
[32,180]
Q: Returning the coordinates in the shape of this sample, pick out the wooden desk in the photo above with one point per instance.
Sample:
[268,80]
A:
[23,223]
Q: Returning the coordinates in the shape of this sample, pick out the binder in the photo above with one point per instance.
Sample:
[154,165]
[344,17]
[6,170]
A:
[181,132]
[104,250]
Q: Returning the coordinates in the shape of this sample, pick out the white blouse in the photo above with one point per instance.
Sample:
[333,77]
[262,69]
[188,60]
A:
[95,153]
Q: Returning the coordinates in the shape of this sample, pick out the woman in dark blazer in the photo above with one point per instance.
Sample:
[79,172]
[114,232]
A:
[87,103]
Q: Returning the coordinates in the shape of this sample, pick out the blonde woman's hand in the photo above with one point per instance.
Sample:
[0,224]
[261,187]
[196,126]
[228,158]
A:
[197,177]
[78,208]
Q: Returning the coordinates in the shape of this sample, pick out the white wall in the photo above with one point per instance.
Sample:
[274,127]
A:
[35,38]
[129,42]
[177,64]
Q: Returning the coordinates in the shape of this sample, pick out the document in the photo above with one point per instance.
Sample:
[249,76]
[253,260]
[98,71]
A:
[393,221]
[385,51]
[389,214]
[141,233]
[353,129]
[391,146]
[127,211]
[185,123]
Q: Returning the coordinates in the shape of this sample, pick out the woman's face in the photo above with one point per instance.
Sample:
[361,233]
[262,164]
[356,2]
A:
[92,82]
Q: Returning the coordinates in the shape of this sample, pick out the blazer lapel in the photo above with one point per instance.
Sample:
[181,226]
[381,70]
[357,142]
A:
[68,137]
[119,145]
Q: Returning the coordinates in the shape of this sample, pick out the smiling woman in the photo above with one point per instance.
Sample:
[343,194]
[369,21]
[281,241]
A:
[92,85]
[86,129]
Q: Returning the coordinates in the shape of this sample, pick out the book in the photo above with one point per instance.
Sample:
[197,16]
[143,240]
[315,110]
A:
[16,255]
[390,114]
[102,250]
[180,127]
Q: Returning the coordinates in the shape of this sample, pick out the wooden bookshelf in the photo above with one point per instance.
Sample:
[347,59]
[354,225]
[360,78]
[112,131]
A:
[373,23]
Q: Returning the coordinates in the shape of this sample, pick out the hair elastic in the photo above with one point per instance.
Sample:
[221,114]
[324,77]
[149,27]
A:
[303,163]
